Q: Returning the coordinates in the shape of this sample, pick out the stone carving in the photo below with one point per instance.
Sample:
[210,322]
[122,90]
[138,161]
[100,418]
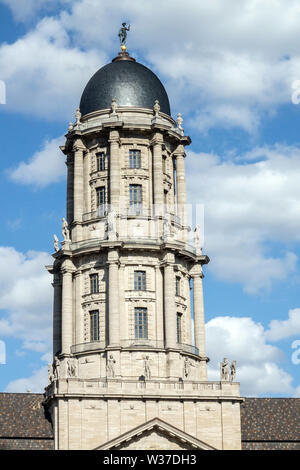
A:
[113,106]
[56,247]
[179,121]
[197,237]
[72,367]
[71,127]
[187,364]
[224,370]
[156,107]
[110,366]
[65,230]
[147,367]
[56,368]
[77,116]
[232,371]
[123,34]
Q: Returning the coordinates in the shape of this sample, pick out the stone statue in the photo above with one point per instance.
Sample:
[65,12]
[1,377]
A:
[77,116]
[224,369]
[167,226]
[156,107]
[232,371]
[111,227]
[113,106]
[72,367]
[56,247]
[65,230]
[50,373]
[70,128]
[187,367]
[123,34]
[147,368]
[56,368]
[197,237]
[179,121]
[110,366]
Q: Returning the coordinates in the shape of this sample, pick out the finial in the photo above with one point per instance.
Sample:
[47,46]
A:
[156,107]
[123,36]
[179,121]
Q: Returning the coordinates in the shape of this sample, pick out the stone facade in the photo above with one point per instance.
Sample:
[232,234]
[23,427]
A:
[122,315]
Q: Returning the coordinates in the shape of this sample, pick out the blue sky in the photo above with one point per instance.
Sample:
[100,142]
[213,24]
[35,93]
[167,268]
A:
[229,68]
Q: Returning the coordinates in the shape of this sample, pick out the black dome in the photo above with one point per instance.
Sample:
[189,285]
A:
[131,83]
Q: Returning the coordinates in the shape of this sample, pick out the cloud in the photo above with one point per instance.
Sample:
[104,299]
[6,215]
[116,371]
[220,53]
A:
[246,341]
[24,10]
[250,201]
[281,329]
[26,298]
[45,167]
[35,383]
[222,65]
[44,73]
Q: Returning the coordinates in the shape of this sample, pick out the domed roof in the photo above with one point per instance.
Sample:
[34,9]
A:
[130,83]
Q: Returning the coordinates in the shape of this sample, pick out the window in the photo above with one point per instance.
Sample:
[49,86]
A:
[100,161]
[94,324]
[139,280]
[177,285]
[135,198]
[179,317]
[140,323]
[134,159]
[94,283]
[101,200]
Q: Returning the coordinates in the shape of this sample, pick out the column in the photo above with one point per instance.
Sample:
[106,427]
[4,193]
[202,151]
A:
[199,322]
[169,301]
[78,180]
[70,189]
[159,306]
[114,177]
[57,314]
[67,327]
[188,313]
[78,310]
[113,298]
[86,180]
[180,184]
[158,192]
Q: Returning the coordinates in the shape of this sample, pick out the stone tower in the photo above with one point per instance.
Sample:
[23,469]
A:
[126,371]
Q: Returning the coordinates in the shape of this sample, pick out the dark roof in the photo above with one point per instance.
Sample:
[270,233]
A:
[22,416]
[270,419]
[130,83]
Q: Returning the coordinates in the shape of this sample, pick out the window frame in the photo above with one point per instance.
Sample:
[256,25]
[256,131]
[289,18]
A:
[140,280]
[94,325]
[94,286]
[140,323]
[135,199]
[135,159]
[179,327]
[101,161]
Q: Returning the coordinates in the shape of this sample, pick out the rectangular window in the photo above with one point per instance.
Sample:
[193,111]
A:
[135,199]
[177,285]
[134,159]
[100,161]
[94,283]
[139,280]
[140,323]
[179,317]
[94,324]
[101,200]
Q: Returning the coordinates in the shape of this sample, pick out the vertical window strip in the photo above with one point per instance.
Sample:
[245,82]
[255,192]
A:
[135,198]
[140,323]
[100,161]
[134,159]
[179,316]
[94,325]
[94,283]
[177,285]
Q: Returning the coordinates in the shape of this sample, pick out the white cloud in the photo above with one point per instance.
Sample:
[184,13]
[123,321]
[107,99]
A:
[281,329]
[45,74]
[249,201]
[26,298]
[46,166]
[246,341]
[220,61]
[35,383]
[24,10]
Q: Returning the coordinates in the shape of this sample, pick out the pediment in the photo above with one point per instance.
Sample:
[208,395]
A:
[155,434]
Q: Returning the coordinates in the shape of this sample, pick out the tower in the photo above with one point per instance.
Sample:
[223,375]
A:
[126,373]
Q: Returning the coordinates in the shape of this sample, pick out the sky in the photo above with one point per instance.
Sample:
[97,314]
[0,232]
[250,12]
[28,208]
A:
[232,69]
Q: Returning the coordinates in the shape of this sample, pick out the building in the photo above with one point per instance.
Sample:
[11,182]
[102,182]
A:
[126,374]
